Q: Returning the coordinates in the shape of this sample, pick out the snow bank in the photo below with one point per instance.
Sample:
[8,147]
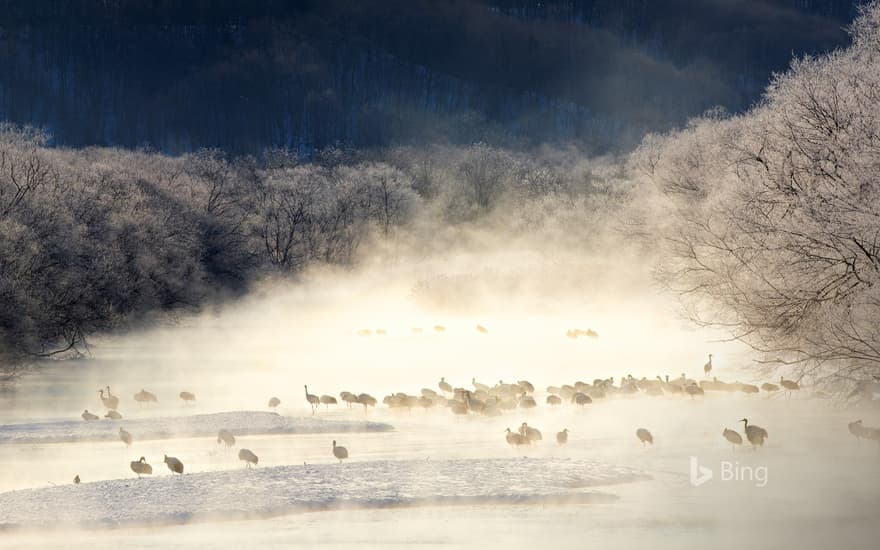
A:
[238,422]
[263,492]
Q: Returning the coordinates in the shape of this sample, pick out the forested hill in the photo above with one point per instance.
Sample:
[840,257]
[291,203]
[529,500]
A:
[246,74]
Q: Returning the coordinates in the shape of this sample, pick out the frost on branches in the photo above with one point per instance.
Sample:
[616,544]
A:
[769,222]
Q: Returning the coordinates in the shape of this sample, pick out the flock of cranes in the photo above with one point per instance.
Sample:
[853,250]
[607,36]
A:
[141,467]
[315,402]
[573,333]
[111,403]
[491,401]
[756,435]
[367,332]
[486,400]
[175,465]
[494,400]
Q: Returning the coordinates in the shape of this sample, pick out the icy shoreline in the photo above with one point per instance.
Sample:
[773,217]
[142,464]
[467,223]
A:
[266,492]
[200,425]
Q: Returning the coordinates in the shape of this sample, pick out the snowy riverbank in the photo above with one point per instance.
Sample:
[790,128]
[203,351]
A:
[199,425]
[265,492]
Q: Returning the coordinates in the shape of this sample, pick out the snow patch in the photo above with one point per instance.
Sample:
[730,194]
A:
[199,425]
[264,492]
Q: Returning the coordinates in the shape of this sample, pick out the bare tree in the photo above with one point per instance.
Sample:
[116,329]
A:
[484,172]
[287,217]
[386,192]
[770,222]
[23,169]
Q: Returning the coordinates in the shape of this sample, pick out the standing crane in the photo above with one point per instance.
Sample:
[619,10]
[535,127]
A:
[348,397]
[366,400]
[144,396]
[562,437]
[111,401]
[125,437]
[174,464]
[531,434]
[248,457]
[755,434]
[140,467]
[328,400]
[339,452]
[313,399]
[789,385]
[733,437]
[225,437]
[516,439]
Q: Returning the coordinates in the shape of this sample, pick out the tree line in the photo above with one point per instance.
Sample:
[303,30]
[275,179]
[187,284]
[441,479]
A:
[91,239]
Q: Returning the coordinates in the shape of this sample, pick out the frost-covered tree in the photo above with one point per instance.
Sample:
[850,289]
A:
[93,238]
[770,221]
[386,193]
[484,173]
[23,167]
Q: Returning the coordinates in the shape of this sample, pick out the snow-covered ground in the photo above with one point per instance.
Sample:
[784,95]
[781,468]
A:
[261,492]
[197,425]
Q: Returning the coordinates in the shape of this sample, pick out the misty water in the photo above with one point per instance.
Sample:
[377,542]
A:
[820,488]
